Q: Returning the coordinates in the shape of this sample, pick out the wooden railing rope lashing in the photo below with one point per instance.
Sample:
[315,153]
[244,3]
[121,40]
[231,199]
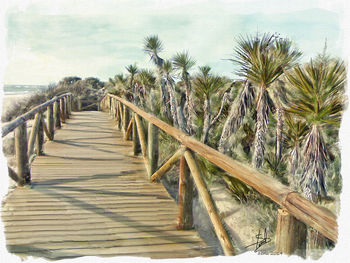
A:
[300,210]
[57,110]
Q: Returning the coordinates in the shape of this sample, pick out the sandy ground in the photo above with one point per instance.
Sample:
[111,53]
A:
[241,220]
[7,100]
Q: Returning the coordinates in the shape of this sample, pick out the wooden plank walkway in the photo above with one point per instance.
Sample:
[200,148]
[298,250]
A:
[90,196]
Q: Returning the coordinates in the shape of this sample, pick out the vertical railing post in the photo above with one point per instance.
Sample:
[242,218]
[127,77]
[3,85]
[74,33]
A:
[290,234]
[117,116]
[110,105]
[62,111]
[69,109]
[135,138]
[185,219]
[126,118]
[153,148]
[23,170]
[79,104]
[70,102]
[33,133]
[56,113]
[39,142]
[50,122]
[66,110]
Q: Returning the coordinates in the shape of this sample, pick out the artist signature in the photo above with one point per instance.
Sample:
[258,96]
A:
[260,240]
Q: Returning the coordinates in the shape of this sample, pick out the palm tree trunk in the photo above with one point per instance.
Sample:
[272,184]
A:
[173,104]
[206,125]
[279,112]
[315,165]
[294,160]
[190,107]
[262,120]
[236,114]
[313,178]
[180,114]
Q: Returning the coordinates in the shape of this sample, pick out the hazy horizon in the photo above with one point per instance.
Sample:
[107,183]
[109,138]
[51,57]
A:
[48,41]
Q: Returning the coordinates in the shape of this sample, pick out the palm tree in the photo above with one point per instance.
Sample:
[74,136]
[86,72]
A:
[318,91]
[121,85]
[295,132]
[237,112]
[153,46]
[133,70]
[262,61]
[206,85]
[183,63]
[170,83]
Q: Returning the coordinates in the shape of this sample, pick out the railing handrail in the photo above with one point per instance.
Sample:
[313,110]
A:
[311,214]
[26,116]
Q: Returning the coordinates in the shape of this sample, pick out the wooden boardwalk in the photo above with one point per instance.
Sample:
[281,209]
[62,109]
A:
[90,196]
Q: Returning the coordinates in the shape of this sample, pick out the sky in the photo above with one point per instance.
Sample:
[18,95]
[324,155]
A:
[45,41]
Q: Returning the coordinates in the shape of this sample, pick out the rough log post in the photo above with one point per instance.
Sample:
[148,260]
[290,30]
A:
[39,142]
[135,138]
[208,202]
[119,106]
[62,111]
[50,122]
[153,148]
[70,104]
[126,118]
[290,234]
[143,142]
[79,104]
[117,116]
[185,219]
[113,101]
[23,171]
[110,107]
[141,135]
[56,113]
[33,133]
[66,107]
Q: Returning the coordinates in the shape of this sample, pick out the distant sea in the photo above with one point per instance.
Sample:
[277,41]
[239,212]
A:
[22,89]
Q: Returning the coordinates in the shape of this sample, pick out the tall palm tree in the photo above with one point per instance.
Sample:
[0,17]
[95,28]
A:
[237,112]
[153,46]
[295,131]
[263,60]
[121,85]
[318,100]
[206,85]
[170,83]
[183,63]
[133,70]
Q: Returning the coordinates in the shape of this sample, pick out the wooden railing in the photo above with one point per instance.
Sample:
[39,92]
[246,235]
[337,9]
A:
[295,210]
[58,110]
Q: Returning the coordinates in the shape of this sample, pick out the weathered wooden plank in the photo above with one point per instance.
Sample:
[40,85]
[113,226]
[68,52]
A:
[90,232]
[102,236]
[99,196]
